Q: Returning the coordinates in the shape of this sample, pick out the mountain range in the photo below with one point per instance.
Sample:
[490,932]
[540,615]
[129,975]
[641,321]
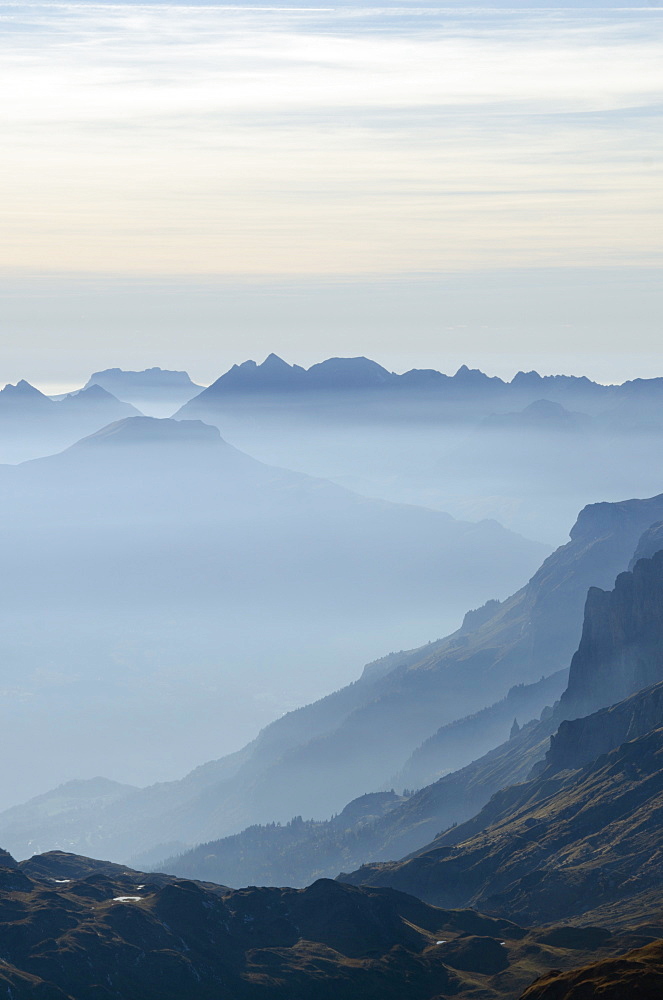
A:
[32,424]
[153,573]
[383,826]
[313,761]
[530,452]
[155,392]
[526,844]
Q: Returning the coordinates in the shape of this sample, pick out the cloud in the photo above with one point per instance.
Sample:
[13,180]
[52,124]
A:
[217,141]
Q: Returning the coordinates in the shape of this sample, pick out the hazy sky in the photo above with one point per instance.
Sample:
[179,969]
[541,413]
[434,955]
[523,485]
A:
[194,185]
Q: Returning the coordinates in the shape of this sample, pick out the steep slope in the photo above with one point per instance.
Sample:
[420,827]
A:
[153,574]
[621,648]
[637,975]
[464,740]
[313,761]
[380,825]
[573,839]
[75,929]
[534,848]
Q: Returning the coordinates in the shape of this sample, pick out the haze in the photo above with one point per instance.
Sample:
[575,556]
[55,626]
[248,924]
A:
[203,184]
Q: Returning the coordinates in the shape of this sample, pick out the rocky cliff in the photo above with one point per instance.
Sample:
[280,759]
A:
[621,648]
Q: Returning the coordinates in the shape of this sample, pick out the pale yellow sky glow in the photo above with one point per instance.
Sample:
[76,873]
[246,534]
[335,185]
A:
[220,142]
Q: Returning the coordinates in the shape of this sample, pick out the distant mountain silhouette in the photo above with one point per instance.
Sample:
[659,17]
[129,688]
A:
[149,390]
[32,424]
[530,452]
[154,543]
[543,414]
[274,375]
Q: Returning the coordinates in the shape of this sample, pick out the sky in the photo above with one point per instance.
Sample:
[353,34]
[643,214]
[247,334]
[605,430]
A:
[191,186]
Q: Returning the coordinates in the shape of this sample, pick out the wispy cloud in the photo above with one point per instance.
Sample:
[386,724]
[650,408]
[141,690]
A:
[211,140]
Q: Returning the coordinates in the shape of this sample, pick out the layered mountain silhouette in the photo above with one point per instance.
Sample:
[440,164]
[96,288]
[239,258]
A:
[275,376]
[313,761]
[530,452]
[583,833]
[154,391]
[152,574]
[32,424]
[386,825]
[532,851]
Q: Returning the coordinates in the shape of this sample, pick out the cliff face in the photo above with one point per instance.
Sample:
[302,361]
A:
[650,543]
[621,648]
[585,829]
[580,741]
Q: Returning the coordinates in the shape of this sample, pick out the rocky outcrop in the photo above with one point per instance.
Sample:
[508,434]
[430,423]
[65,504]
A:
[621,648]
[650,543]
[580,741]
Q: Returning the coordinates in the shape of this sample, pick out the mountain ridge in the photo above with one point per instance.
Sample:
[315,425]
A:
[255,785]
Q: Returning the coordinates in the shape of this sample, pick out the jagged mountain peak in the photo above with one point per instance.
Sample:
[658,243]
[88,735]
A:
[274,361]
[474,376]
[95,393]
[333,373]
[23,389]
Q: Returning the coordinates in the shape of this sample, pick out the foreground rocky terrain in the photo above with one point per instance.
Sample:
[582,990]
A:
[76,929]
[637,975]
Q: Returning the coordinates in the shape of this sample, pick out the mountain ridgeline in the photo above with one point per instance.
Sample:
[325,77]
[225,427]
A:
[576,847]
[153,573]
[32,424]
[313,761]
[298,851]
[79,929]
[154,391]
[492,799]
[530,452]
[583,832]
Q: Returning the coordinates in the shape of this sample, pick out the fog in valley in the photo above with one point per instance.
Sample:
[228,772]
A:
[171,586]
[165,595]
[331,500]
